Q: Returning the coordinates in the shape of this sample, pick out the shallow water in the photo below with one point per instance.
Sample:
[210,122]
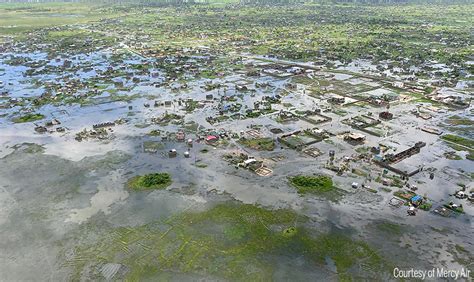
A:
[65,210]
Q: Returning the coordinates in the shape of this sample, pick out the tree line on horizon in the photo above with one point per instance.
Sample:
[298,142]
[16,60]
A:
[245,2]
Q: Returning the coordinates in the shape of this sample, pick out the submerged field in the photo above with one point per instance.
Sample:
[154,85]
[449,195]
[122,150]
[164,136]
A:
[223,141]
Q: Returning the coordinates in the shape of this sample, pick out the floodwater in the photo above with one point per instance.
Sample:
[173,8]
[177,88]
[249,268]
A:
[65,211]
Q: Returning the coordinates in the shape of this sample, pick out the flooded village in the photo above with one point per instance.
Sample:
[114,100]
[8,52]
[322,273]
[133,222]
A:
[141,143]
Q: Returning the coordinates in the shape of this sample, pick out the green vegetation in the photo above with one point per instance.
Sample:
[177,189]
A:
[190,42]
[460,144]
[362,149]
[290,232]
[28,118]
[29,148]
[395,180]
[152,146]
[390,227]
[457,209]
[154,132]
[452,156]
[459,140]
[241,236]
[262,144]
[150,181]
[470,156]
[312,184]
[191,105]
[462,256]
[404,194]
[426,206]
[460,249]
[342,32]
[19,18]
[457,120]
[385,189]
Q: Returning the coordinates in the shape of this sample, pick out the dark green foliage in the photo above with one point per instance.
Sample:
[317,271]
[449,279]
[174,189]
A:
[312,184]
[150,181]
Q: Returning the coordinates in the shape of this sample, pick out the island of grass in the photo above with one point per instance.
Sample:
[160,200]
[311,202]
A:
[28,118]
[150,181]
[261,144]
[312,183]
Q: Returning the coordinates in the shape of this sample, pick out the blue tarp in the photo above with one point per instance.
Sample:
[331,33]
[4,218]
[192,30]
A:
[416,198]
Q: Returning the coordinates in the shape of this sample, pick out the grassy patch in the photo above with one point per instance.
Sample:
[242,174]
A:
[458,209]
[154,132]
[452,156]
[312,184]
[150,181]
[470,156]
[459,140]
[457,120]
[426,206]
[460,144]
[225,241]
[261,144]
[28,118]
[462,256]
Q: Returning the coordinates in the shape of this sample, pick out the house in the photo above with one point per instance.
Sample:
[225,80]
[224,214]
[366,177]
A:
[212,139]
[180,136]
[337,100]
[416,200]
[355,137]
[41,129]
[172,153]
[252,164]
[398,84]
[460,195]
[249,162]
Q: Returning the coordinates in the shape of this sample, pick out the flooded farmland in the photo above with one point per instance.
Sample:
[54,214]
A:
[133,147]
